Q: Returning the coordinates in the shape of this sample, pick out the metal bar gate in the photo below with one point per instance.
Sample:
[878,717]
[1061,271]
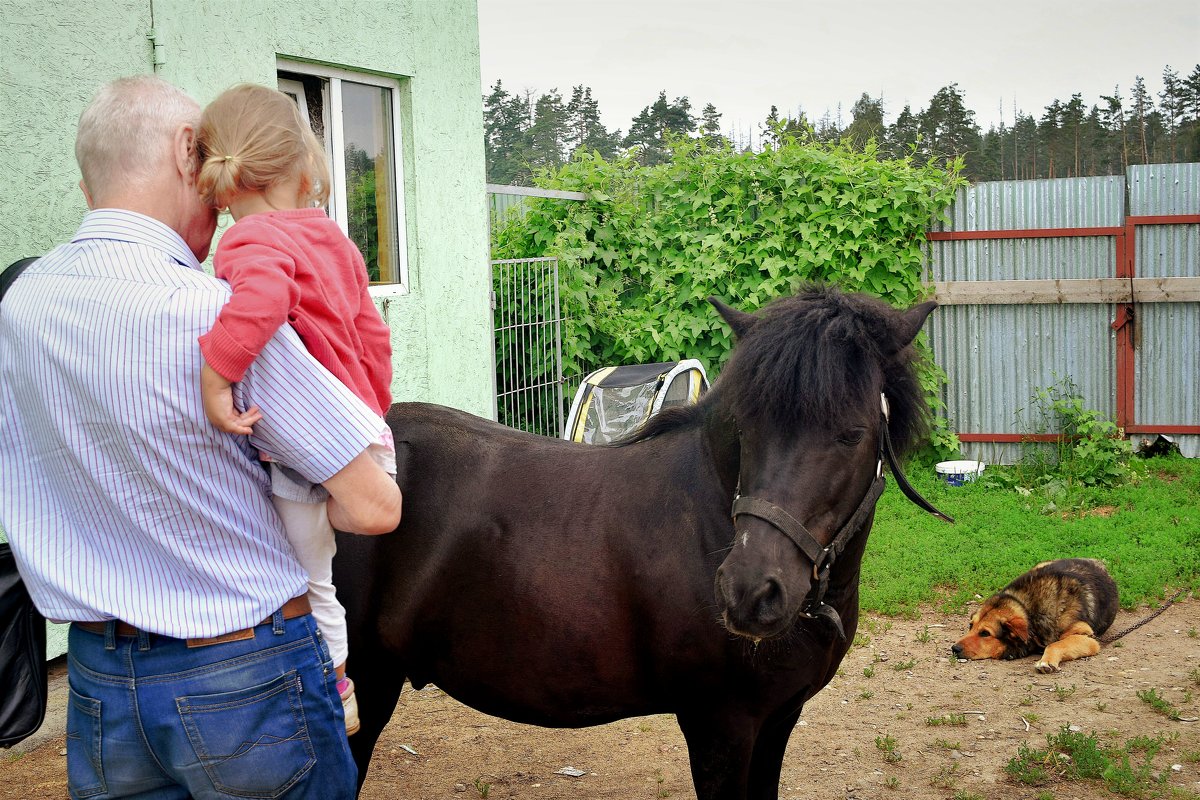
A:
[528,341]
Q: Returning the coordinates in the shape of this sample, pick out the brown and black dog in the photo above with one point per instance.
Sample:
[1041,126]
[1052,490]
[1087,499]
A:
[1058,608]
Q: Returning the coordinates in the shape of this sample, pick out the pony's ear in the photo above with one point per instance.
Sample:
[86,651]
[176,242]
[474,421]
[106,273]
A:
[739,321]
[910,322]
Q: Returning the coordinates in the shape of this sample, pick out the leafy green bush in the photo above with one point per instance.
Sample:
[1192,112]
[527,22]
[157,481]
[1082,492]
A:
[1092,453]
[639,258]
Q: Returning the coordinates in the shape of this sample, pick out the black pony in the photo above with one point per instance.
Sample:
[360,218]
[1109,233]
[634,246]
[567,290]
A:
[568,585]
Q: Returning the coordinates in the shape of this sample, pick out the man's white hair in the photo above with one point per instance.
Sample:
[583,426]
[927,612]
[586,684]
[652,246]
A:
[125,133]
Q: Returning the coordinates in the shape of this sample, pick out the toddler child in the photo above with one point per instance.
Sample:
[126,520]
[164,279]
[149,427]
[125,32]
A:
[288,262]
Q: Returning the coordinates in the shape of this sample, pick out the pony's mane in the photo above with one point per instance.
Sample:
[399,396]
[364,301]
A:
[814,356]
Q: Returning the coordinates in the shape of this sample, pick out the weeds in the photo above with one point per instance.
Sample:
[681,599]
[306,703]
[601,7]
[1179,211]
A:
[1061,693]
[869,672]
[924,636]
[1092,452]
[1078,756]
[483,787]
[947,719]
[892,782]
[900,666]
[946,777]
[887,746]
[1151,698]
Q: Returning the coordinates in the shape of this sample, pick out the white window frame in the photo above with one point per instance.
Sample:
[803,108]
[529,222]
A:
[333,77]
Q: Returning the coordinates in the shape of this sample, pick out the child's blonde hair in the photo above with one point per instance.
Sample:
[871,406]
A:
[252,137]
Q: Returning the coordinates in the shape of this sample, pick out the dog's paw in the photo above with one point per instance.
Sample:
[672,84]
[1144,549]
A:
[1046,668]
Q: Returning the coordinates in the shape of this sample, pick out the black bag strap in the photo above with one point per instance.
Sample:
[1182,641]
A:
[9,275]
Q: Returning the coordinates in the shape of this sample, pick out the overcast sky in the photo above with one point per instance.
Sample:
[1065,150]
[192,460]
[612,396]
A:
[745,55]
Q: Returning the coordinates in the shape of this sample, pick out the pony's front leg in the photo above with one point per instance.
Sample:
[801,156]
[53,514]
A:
[767,763]
[720,745]
[378,679]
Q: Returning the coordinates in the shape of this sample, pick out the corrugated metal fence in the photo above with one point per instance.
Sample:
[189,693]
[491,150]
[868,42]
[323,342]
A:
[1091,280]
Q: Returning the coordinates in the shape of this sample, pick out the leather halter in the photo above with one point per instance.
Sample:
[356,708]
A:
[824,556]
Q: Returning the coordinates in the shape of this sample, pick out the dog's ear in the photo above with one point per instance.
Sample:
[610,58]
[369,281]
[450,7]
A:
[1017,627]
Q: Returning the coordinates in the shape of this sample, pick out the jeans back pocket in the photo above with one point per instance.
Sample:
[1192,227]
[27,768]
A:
[251,742]
[85,764]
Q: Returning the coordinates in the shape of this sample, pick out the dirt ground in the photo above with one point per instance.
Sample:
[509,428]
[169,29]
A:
[896,681]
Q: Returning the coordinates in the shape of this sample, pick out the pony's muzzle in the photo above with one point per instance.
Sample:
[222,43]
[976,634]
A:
[758,610]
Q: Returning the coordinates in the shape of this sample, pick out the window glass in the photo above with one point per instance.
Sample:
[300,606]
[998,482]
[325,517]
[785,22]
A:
[370,176]
[354,119]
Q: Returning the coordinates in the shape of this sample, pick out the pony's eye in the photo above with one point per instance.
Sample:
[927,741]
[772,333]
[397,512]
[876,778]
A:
[984,634]
[852,437]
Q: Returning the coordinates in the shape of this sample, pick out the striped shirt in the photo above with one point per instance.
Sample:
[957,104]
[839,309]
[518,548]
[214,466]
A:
[118,497]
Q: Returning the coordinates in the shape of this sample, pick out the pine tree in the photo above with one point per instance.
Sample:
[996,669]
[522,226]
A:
[903,136]
[507,140]
[710,126]
[770,128]
[866,121]
[947,126]
[1048,131]
[1172,105]
[1190,129]
[1115,120]
[585,131]
[1140,106]
[1072,125]
[649,129]
[548,132]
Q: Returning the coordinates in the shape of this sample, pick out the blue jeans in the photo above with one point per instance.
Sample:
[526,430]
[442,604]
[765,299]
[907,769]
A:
[153,719]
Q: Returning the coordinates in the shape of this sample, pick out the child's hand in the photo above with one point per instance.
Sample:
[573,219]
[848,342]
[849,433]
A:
[217,394]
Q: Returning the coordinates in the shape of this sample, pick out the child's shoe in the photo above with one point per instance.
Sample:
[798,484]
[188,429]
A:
[349,705]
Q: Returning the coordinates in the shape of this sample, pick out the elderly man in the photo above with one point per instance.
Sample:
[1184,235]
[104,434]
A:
[195,668]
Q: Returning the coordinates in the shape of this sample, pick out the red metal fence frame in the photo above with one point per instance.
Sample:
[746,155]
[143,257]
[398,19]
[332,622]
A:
[1125,247]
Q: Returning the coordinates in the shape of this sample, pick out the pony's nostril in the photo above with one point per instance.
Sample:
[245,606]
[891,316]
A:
[769,600]
[956,648]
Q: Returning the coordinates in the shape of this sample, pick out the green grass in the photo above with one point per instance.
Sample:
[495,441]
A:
[1126,770]
[1150,539]
[1151,698]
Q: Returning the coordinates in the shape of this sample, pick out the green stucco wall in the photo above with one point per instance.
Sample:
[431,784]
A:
[53,57]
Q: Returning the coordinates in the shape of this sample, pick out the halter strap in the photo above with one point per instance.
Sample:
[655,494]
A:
[901,481]
[785,522]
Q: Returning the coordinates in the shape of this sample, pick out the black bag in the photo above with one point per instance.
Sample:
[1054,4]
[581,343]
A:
[23,685]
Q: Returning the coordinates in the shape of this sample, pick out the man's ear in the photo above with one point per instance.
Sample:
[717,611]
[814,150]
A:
[185,152]
[87,196]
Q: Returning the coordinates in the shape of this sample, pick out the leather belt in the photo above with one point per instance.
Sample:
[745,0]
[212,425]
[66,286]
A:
[296,607]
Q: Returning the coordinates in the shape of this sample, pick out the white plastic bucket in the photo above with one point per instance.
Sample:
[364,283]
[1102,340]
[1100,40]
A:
[956,473]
